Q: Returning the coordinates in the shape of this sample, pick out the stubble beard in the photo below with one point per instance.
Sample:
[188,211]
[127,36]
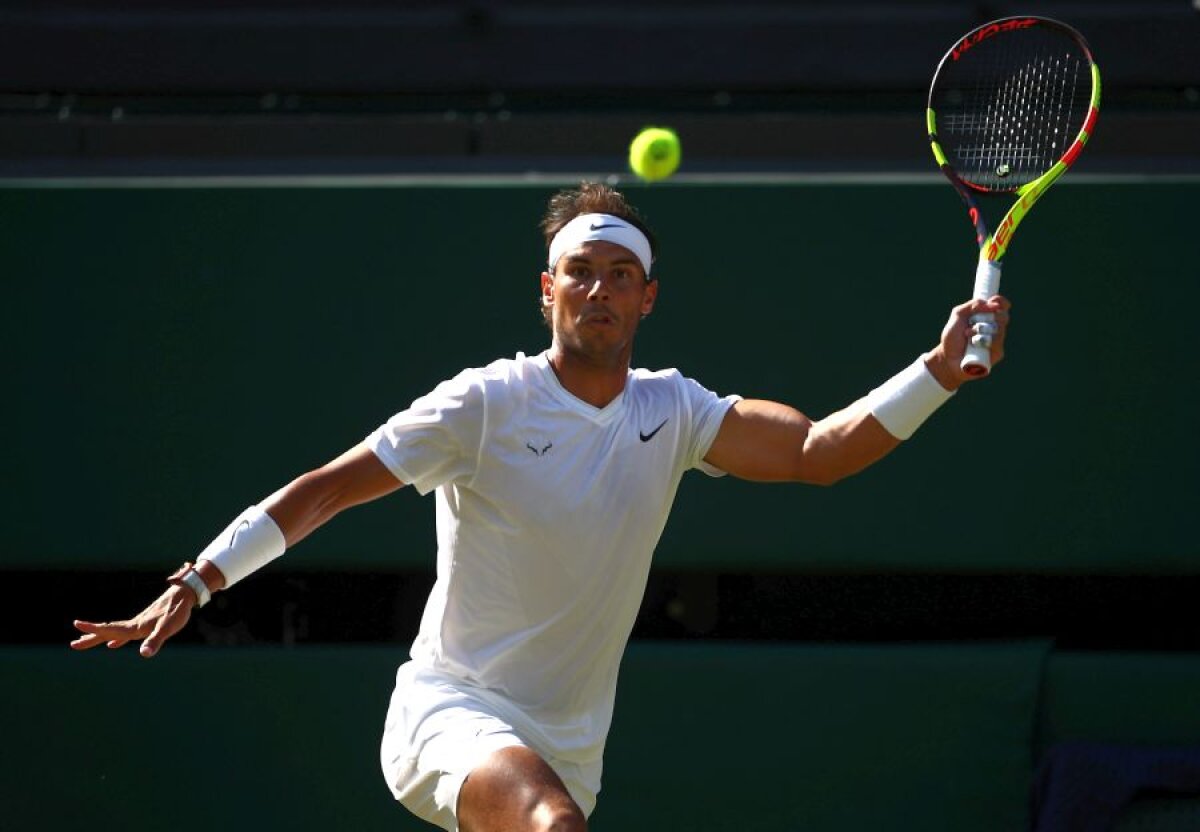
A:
[595,351]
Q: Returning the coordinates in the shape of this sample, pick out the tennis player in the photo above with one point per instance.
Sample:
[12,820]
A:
[554,474]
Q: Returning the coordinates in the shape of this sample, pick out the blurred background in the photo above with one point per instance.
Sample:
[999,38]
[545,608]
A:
[235,237]
[420,87]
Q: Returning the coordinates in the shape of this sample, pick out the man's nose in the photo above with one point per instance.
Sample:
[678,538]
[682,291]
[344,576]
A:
[599,287]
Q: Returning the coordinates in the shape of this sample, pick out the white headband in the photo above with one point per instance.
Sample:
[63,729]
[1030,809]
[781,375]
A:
[587,227]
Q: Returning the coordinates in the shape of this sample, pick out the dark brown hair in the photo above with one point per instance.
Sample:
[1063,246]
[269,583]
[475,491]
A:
[591,198]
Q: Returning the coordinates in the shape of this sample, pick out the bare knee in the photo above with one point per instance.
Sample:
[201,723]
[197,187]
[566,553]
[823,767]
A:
[516,791]
[557,816]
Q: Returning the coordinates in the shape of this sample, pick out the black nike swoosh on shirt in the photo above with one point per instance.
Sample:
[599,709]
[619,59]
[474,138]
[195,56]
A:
[646,437]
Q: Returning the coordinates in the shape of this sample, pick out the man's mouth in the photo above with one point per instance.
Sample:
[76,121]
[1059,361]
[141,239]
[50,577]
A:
[599,316]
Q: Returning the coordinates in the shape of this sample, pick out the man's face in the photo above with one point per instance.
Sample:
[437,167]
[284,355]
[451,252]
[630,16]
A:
[596,296]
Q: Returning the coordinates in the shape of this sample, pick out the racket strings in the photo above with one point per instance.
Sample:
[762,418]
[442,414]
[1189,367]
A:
[1017,113]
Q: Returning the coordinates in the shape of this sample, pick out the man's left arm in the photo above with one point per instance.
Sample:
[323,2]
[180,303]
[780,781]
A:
[772,442]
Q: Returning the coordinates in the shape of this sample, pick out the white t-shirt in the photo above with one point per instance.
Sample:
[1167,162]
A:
[548,512]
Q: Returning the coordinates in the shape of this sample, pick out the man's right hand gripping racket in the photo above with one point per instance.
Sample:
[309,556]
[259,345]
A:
[1011,106]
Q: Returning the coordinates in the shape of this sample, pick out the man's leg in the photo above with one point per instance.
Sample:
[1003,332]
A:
[514,790]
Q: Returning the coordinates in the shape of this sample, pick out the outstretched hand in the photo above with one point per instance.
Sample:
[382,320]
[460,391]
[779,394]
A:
[944,362]
[157,623]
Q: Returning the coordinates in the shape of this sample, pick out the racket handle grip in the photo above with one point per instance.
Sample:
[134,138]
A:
[978,358]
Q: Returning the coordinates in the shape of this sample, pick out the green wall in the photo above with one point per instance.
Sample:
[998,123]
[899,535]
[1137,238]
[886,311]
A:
[707,737]
[716,738]
[175,353]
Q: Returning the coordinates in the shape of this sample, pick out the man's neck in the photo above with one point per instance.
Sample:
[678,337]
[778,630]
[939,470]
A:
[596,384]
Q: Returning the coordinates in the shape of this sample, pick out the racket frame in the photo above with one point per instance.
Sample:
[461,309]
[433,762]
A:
[992,246]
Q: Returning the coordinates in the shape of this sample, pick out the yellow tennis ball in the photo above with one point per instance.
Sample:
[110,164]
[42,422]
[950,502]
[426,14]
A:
[654,153]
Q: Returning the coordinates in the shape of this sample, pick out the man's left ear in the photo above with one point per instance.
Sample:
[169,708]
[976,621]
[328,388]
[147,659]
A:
[547,288]
[650,296]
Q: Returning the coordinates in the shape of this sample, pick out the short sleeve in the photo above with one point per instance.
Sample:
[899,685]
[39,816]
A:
[436,440]
[708,412]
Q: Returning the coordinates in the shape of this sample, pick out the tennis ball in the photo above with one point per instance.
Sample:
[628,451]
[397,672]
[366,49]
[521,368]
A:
[654,153]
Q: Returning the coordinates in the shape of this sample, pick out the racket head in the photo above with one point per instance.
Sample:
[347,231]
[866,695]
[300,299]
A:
[1013,101]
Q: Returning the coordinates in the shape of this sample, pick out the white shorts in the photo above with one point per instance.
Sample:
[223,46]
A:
[437,732]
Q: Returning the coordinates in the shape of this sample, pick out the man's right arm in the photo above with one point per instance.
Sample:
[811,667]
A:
[311,500]
[298,509]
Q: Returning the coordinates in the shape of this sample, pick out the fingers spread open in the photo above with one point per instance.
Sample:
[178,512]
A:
[86,642]
[113,633]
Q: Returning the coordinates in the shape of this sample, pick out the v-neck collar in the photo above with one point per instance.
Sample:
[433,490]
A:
[600,415]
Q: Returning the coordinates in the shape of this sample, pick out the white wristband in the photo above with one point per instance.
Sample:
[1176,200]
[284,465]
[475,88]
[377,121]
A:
[907,399]
[251,542]
[186,575]
[196,584]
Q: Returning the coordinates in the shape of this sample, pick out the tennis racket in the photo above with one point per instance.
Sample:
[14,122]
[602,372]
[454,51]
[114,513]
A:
[1010,108]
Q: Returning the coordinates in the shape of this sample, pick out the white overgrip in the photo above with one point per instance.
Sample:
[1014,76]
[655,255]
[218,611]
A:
[978,358]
